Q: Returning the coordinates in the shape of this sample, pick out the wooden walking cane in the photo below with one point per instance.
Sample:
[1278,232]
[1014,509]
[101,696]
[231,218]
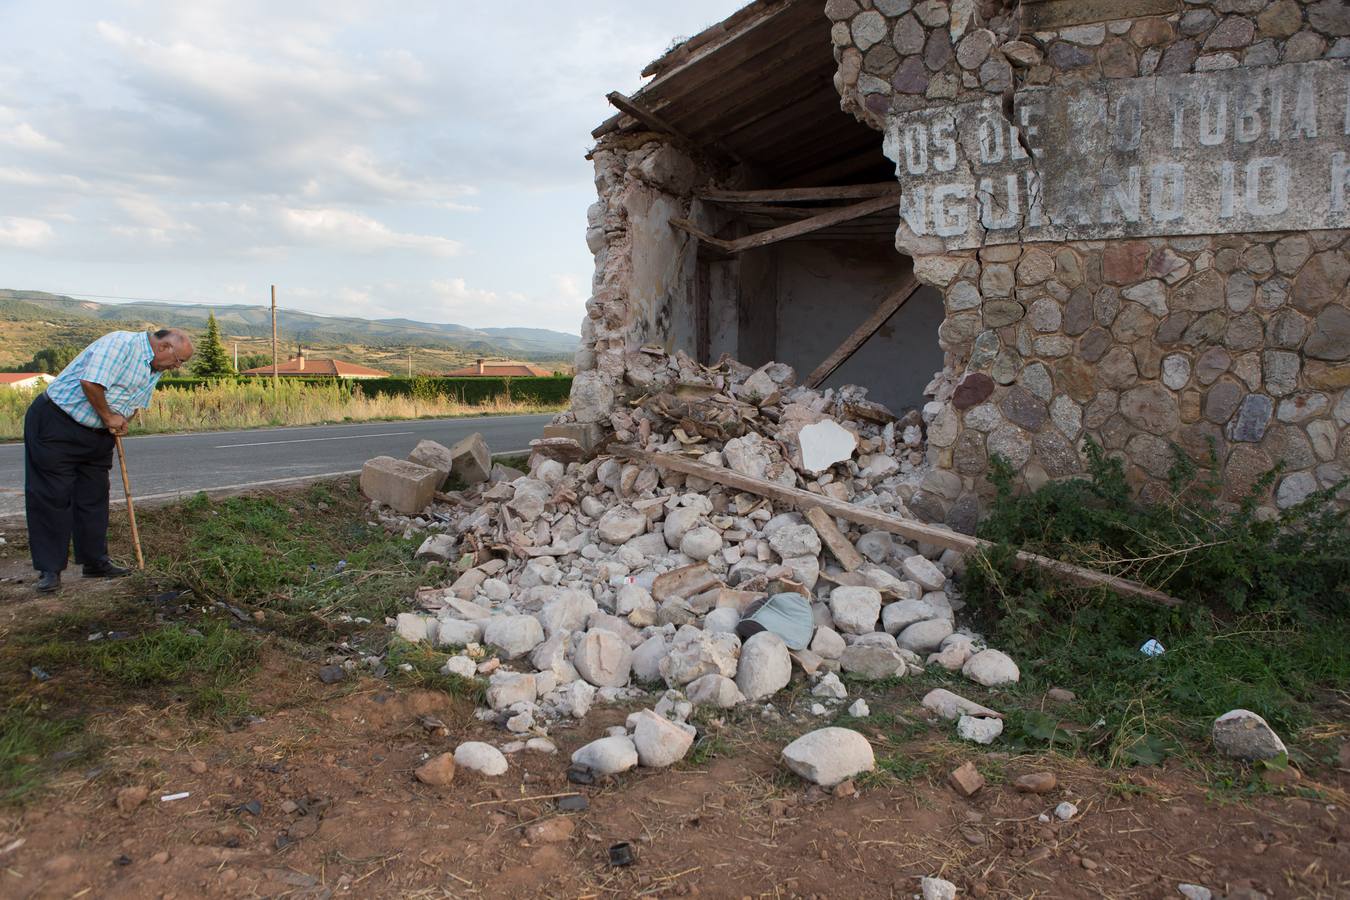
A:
[131,509]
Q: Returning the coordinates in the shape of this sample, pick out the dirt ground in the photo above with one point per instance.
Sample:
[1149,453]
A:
[315,796]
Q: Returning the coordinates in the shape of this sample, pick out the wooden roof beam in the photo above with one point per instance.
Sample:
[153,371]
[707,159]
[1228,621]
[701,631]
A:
[794,195]
[833,216]
[658,124]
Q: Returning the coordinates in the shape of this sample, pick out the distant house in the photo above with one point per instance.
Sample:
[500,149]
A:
[300,365]
[25,379]
[498,368]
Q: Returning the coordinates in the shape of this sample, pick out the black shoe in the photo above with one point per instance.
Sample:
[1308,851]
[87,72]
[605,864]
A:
[48,582]
[104,568]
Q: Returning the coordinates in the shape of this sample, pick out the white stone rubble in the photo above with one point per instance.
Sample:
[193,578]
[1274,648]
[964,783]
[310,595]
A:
[593,581]
[829,755]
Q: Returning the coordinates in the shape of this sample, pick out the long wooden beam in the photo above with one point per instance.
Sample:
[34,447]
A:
[816,223]
[643,115]
[918,531]
[691,229]
[827,218]
[788,195]
[884,311]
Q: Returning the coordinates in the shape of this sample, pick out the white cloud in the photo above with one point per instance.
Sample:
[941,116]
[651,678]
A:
[568,287]
[18,177]
[361,168]
[348,148]
[354,231]
[26,137]
[16,231]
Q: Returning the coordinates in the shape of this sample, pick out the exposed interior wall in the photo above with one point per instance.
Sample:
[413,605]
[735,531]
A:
[757,302]
[827,288]
[724,309]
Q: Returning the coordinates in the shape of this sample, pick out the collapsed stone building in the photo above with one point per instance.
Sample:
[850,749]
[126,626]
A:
[1041,222]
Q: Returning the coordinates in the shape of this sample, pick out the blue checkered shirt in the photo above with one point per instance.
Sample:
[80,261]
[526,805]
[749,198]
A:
[120,361]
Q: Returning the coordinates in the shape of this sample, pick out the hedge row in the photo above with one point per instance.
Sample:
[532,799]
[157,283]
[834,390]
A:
[548,389]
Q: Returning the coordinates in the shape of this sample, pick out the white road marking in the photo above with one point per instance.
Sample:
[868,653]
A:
[166,495]
[273,482]
[344,437]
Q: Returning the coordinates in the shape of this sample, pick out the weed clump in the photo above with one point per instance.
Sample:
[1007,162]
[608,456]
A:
[1263,623]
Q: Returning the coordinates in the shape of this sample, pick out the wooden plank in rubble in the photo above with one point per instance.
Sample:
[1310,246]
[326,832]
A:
[834,539]
[917,531]
[884,311]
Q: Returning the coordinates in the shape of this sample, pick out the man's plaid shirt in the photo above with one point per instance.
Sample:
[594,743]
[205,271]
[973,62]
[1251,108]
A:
[120,361]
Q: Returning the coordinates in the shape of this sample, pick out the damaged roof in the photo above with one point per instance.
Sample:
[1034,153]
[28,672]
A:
[758,89]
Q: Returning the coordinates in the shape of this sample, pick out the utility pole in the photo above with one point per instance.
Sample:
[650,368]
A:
[274,339]
[409,362]
[236,356]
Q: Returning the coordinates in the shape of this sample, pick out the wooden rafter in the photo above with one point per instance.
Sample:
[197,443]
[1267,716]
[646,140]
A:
[797,195]
[884,311]
[656,123]
[907,528]
[826,218]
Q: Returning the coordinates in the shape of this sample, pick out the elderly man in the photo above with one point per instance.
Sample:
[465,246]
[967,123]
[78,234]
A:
[68,446]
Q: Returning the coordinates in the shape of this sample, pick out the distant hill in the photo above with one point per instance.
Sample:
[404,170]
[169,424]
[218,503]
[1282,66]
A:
[242,321]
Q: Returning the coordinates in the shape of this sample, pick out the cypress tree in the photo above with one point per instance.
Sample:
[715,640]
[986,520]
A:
[211,360]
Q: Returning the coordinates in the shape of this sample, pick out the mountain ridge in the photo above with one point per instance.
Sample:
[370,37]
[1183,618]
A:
[250,321]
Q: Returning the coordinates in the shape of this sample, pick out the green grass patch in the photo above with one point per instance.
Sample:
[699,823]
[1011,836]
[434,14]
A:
[425,671]
[205,667]
[306,559]
[33,746]
[898,768]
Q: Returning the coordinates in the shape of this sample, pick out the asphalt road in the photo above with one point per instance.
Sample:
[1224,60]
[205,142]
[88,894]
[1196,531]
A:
[165,466]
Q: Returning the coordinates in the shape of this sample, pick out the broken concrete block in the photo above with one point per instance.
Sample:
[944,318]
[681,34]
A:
[608,755]
[588,435]
[457,632]
[437,546]
[437,771]
[714,690]
[412,627]
[470,459]
[433,456]
[824,444]
[827,756]
[603,659]
[953,706]
[966,780]
[403,486]
[659,741]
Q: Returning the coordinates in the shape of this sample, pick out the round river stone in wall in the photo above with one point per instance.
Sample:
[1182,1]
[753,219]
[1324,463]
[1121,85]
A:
[973,390]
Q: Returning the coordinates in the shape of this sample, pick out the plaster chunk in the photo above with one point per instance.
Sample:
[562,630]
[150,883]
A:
[824,444]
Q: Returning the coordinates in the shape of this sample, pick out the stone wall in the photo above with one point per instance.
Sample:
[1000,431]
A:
[643,266]
[1180,335]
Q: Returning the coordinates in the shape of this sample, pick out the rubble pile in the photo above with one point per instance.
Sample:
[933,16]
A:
[581,581]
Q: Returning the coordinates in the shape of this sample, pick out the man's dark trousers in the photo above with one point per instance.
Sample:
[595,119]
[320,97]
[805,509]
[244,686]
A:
[66,469]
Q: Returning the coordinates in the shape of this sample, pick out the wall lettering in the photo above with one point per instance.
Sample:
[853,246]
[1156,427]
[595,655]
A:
[1261,149]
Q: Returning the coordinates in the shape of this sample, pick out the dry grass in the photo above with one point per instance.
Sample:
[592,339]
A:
[226,405]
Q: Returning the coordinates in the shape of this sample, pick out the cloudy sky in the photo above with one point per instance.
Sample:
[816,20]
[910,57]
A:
[417,158]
